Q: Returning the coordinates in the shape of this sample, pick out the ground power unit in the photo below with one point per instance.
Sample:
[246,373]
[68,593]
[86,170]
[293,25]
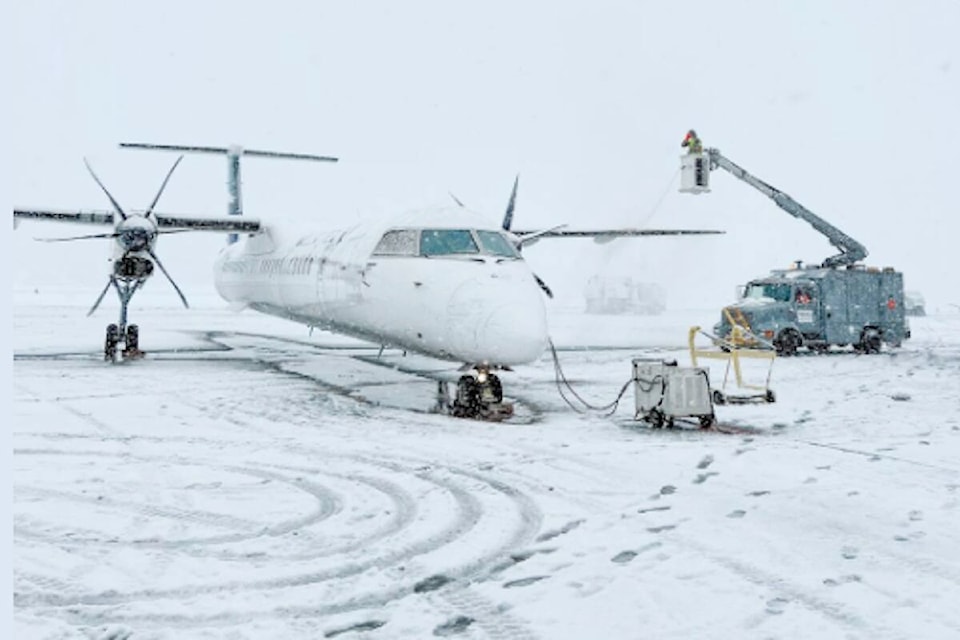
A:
[665,391]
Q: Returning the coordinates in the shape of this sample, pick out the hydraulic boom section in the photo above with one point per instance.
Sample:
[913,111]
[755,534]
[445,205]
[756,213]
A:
[851,251]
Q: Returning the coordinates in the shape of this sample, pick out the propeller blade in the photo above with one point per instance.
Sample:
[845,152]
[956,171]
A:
[457,200]
[508,216]
[162,187]
[543,285]
[100,299]
[87,237]
[116,205]
[162,268]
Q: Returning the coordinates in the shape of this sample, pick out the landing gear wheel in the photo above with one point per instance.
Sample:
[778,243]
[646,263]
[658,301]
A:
[467,402]
[496,388]
[132,347]
[788,343]
[770,396]
[718,397]
[111,342]
[707,421]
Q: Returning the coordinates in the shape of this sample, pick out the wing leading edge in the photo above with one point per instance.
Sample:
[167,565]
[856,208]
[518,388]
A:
[607,235]
[232,224]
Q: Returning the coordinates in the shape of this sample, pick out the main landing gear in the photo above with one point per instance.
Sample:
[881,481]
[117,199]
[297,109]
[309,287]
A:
[478,396]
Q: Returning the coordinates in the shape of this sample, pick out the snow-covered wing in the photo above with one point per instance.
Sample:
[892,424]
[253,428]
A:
[615,233]
[79,217]
[602,236]
[231,224]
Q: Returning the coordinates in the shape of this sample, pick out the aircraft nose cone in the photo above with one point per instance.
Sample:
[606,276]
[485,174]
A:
[513,334]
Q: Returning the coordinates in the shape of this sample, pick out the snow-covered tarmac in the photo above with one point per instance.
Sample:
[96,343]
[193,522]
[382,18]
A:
[247,480]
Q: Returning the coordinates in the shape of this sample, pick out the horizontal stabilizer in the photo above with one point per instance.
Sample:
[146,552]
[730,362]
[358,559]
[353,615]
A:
[240,151]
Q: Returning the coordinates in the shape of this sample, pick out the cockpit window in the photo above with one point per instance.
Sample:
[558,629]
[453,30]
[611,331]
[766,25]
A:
[399,242]
[496,244]
[444,242]
[778,292]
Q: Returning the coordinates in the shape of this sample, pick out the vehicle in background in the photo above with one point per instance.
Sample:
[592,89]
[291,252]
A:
[622,295]
[914,304]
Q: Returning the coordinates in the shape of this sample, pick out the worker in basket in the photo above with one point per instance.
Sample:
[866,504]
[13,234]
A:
[692,143]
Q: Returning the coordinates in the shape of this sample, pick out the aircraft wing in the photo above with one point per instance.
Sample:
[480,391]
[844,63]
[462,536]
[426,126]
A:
[79,217]
[230,224]
[233,224]
[607,235]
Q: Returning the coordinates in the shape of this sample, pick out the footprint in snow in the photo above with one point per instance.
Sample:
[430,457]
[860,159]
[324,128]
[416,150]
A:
[523,582]
[849,553]
[836,582]
[702,477]
[623,557]
[737,513]
[705,462]
[453,626]
[776,606]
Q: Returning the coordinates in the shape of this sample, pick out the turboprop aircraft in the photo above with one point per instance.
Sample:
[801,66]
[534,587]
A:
[438,282]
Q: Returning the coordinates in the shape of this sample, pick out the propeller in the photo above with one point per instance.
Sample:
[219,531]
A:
[508,222]
[457,200]
[104,235]
[132,237]
[183,298]
[100,299]
[116,205]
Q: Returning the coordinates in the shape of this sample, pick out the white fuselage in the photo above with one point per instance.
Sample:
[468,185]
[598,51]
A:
[480,309]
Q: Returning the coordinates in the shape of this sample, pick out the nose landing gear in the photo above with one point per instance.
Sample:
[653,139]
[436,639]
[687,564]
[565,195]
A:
[480,397]
[122,340]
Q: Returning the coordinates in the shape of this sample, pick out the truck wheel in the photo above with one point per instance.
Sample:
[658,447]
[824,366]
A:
[788,343]
[869,341]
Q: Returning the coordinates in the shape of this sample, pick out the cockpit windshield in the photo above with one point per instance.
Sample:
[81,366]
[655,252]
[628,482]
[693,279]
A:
[496,244]
[445,242]
[775,291]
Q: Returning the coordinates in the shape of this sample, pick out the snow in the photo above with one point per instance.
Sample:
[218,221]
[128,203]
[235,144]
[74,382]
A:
[248,480]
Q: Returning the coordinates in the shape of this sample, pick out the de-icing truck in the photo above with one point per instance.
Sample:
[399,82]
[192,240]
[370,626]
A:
[837,303]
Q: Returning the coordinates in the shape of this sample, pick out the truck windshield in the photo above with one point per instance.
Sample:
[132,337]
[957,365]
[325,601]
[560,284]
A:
[774,291]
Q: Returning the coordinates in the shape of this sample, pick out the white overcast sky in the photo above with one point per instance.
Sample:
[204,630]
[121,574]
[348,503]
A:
[848,105]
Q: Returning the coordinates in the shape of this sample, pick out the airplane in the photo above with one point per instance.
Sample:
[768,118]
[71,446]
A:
[439,282]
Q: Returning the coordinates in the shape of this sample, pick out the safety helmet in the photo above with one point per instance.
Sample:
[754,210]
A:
[691,134]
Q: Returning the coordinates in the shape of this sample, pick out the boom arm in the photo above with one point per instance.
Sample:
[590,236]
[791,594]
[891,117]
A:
[850,250]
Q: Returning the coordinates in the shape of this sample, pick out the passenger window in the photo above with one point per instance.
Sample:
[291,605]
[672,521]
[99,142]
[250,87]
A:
[399,242]
[444,242]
